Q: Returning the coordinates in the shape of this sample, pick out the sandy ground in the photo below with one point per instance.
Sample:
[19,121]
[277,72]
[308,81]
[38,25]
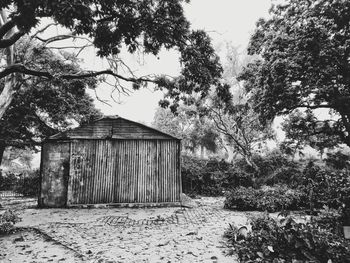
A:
[120,234]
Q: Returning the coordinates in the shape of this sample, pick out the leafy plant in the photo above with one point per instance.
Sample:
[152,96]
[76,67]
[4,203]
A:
[211,177]
[29,184]
[7,221]
[269,199]
[288,241]
[324,186]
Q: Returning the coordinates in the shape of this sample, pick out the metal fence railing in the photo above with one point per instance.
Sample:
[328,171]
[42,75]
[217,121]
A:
[10,194]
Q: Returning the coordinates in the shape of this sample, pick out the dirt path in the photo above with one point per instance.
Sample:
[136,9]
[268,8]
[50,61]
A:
[126,235]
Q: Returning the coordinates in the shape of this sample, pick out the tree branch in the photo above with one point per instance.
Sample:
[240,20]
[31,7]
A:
[6,27]
[43,29]
[4,43]
[19,68]
[60,38]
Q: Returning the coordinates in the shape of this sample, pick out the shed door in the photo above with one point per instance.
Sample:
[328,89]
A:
[91,177]
[123,171]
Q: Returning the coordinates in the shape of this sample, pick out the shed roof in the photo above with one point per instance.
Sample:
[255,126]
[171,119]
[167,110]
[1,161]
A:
[113,127]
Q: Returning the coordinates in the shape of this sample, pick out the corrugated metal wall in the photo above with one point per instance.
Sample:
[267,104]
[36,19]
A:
[124,171]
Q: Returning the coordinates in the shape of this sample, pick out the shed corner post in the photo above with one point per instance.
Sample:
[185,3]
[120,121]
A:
[40,201]
[179,164]
[70,172]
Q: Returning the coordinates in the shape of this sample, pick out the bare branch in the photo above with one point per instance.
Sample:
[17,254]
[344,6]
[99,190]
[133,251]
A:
[43,29]
[60,38]
[101,100]
[74,47]
[19,68]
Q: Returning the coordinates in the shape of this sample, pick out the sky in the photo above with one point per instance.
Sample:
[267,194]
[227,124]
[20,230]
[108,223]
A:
[226,21]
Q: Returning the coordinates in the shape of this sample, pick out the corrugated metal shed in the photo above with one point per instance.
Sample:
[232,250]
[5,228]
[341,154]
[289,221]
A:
[112,160]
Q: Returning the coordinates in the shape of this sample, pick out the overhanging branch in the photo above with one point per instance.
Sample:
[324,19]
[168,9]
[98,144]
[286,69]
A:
[19,68]
[6,28]
[4,43]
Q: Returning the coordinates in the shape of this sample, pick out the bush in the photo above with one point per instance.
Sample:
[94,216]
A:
[325,186]
[8,181]
[273,168]
[7,221]
[269,199]
[29,184]
[288,241]
[210,177]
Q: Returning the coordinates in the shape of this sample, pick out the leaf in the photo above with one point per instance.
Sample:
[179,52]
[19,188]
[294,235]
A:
[310,256]
[270,248]
[260,254]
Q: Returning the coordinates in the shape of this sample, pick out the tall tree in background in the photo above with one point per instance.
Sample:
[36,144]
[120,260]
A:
[41,108]
[196,131]
[232,114]
[110,26]
[305,63]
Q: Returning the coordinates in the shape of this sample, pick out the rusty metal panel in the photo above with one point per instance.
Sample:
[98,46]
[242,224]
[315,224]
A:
[54,174]
[124,171]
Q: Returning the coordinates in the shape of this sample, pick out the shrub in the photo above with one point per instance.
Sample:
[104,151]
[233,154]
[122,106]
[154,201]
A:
[338,160]
[269,199]
[7,221]
[288,241]
[211,177]
[325,186]
[8,180]
[29,184]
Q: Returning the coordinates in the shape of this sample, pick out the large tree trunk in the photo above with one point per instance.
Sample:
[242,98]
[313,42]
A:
[6,96]
[2,150]
[7,93]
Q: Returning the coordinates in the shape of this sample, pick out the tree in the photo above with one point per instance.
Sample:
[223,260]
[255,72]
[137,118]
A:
[305,55]
[110,26]
[240,127]
[41,108]
[24,156]
[303,129]
[232,114]
[195,130]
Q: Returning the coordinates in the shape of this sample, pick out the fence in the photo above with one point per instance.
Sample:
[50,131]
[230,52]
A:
[10,194]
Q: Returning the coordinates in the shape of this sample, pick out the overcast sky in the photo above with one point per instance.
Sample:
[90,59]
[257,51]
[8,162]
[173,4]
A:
[225,21]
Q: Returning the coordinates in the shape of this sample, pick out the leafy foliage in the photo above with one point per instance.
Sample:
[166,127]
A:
[271,199]
[40,107]
[304,49]
[324,186]
[210,177]
[8,181]
[287,240]
[303,129]
[314,185]
[142,27]
[7,221]
[29,185]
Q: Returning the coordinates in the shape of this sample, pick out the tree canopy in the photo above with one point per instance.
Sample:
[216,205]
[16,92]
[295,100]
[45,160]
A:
[40,107]
[112,26]
[304,63]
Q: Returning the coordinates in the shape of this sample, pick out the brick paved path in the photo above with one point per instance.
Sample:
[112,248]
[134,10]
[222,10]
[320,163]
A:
[134,235]
[182,216]
[187,235]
